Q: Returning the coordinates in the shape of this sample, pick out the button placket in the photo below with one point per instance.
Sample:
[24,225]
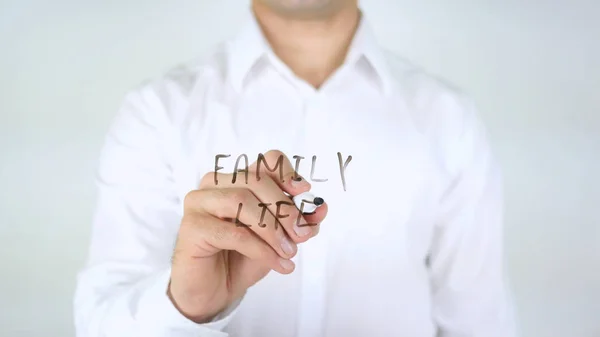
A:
[314,251]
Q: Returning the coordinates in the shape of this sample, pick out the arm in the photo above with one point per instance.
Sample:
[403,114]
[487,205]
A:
[122,291]
[470,289]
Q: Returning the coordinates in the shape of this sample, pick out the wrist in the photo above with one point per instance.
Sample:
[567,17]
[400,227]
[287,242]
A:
[195,316]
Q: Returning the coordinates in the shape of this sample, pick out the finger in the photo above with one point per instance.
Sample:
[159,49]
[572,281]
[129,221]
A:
[276,165]
[314,219]
[247,272]
[241,207]
[293,184]
[273,197]
[207,235]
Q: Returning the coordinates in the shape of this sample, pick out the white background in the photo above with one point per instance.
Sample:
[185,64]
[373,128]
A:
[533,67]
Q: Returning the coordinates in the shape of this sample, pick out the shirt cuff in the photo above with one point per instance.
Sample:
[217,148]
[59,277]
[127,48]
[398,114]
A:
[158,316]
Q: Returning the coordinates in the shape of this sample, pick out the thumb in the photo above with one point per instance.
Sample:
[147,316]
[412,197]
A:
[244,273]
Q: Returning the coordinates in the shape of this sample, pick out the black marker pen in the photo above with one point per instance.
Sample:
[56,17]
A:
[311,202]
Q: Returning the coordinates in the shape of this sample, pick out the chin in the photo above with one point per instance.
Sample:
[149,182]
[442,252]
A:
[303,3]
[304,8]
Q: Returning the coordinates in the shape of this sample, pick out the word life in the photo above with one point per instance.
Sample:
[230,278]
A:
[278,214]
[279,164]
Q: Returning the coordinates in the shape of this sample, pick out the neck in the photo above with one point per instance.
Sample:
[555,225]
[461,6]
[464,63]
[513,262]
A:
[312,48]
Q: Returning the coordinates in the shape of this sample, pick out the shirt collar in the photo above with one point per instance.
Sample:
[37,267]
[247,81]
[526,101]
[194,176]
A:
[365,46]
[250,46]
[245,50]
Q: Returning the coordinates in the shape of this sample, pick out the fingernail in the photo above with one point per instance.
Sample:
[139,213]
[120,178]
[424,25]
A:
[286,264]
[286,246]
[298,181]
[302,231]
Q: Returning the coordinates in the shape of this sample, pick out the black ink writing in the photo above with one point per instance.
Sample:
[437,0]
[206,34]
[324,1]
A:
[300,214]
[312,171]
[236,170]
[261,159]
[343,164]
[217,167]
[262,214]
[279,215]
[343,168]
[298,159]
[238,223]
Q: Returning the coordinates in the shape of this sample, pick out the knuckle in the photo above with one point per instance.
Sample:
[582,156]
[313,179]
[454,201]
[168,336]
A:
[193,220]
[207,180]
[220,194]
[273,155]
[191,198]
[219,233]
[240,196]
[222,206]
[240,235]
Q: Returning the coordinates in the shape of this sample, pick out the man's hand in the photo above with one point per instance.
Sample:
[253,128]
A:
[215,259]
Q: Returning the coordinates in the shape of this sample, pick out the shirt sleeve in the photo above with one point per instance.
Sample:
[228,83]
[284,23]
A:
[471,296]
[122,290]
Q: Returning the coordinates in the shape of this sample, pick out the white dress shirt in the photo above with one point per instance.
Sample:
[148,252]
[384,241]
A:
[411,247]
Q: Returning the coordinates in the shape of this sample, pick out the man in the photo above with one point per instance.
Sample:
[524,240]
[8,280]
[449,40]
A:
[195,233]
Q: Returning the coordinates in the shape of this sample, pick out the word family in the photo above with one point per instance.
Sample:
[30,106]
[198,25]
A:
[278,165]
